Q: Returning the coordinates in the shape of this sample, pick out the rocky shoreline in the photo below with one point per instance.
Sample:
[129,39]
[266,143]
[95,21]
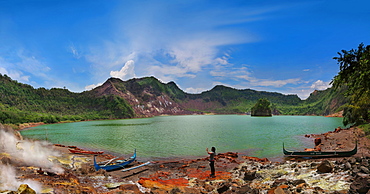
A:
[234,173]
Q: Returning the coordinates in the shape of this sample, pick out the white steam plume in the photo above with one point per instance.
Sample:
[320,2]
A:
[9,182]
[35,153]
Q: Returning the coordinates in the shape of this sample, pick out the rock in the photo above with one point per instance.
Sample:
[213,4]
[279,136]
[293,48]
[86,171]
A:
[325,166]
[223,188]
[348,165]
[25,189]
[86,169]
[130,187]
[297,182]
[352,160]
[249,175]
[360,185]
[317,141]
[365,169]
[365,163]
[246,189]
[355,169]
[313,164]
[279,190]
[279,182]
[6,160]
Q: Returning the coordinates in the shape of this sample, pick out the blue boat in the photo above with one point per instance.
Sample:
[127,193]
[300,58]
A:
[117,164]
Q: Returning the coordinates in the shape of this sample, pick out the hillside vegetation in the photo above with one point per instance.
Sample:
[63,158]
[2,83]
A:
[146,97]
[21,103]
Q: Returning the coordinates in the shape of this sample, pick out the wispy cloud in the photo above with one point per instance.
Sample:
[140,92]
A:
[171,44]
[92,86]
[22,65]
[72,49]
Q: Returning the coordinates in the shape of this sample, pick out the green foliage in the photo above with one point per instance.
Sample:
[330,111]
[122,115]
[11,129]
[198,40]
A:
[261,108]
[21,103]
[366,129]
[355,76]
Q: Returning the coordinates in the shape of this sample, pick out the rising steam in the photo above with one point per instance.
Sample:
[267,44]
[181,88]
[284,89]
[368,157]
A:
[25,152]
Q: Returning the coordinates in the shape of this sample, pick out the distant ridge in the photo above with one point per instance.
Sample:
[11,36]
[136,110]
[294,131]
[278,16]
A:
[147,97]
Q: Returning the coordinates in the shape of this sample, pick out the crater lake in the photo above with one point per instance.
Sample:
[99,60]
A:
[165,137]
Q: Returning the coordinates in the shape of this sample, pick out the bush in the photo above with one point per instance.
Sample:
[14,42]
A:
[366,129]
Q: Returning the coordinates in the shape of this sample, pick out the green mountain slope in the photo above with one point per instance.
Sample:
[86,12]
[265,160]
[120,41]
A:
[21,103]
[146,97]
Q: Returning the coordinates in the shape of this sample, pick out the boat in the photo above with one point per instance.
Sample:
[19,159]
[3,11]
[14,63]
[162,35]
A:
[114,165]
[317,154]
[135,167]
[80,151]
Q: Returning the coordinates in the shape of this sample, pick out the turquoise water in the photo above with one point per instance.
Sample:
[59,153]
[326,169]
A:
[185,136]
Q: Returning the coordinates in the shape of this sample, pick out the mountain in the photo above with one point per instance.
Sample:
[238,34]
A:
[146,97]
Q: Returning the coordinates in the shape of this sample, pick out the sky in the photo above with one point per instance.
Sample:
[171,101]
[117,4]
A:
[276,46]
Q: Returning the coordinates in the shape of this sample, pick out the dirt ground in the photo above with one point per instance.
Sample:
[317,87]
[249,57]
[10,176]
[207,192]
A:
[339,140]
[80,175]
[344,140]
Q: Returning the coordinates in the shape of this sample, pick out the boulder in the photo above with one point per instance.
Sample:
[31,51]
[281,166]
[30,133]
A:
[223,187]
[360,185]
[317,141]
[249,175]
[279,182]
[365,169]
[297,182]
[348,165]
[132,188]
[325,167]
[246,189]
[25,189]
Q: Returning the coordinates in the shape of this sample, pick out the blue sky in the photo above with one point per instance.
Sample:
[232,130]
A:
[277,46]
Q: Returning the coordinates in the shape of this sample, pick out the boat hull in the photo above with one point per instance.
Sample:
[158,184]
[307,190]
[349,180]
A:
[115,166]
[317,154]
[74,151]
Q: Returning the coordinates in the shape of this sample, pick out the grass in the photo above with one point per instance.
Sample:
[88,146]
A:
[366,129]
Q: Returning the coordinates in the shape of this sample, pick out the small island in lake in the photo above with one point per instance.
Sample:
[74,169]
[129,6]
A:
[261,108]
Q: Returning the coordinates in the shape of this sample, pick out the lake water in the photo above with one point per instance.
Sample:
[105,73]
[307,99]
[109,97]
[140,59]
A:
[188,136]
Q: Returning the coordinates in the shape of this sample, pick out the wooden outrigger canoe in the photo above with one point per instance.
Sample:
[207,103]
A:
[110,165]
[79,151]
[318,154]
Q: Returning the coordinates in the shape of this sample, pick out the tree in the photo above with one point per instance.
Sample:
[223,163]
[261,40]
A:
[355,76]
[261,108]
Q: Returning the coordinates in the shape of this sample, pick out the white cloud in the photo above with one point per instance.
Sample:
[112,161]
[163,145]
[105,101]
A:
[14,73]
[3,70]
[192,90]
[126,72]
[74,51]
[92,86]
[275,83]
[168,44]
[244,74]
[320,85]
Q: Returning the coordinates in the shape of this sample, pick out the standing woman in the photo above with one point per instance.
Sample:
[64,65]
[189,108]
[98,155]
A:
[212,154]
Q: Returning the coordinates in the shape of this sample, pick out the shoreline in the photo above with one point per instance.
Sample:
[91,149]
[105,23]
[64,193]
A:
[274,158]
[234,173]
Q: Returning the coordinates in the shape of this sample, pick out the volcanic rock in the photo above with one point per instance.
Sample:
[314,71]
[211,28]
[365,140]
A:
[325,166]
[25,189]
[365,169]
[360,185]
[132,188]
[249,175]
